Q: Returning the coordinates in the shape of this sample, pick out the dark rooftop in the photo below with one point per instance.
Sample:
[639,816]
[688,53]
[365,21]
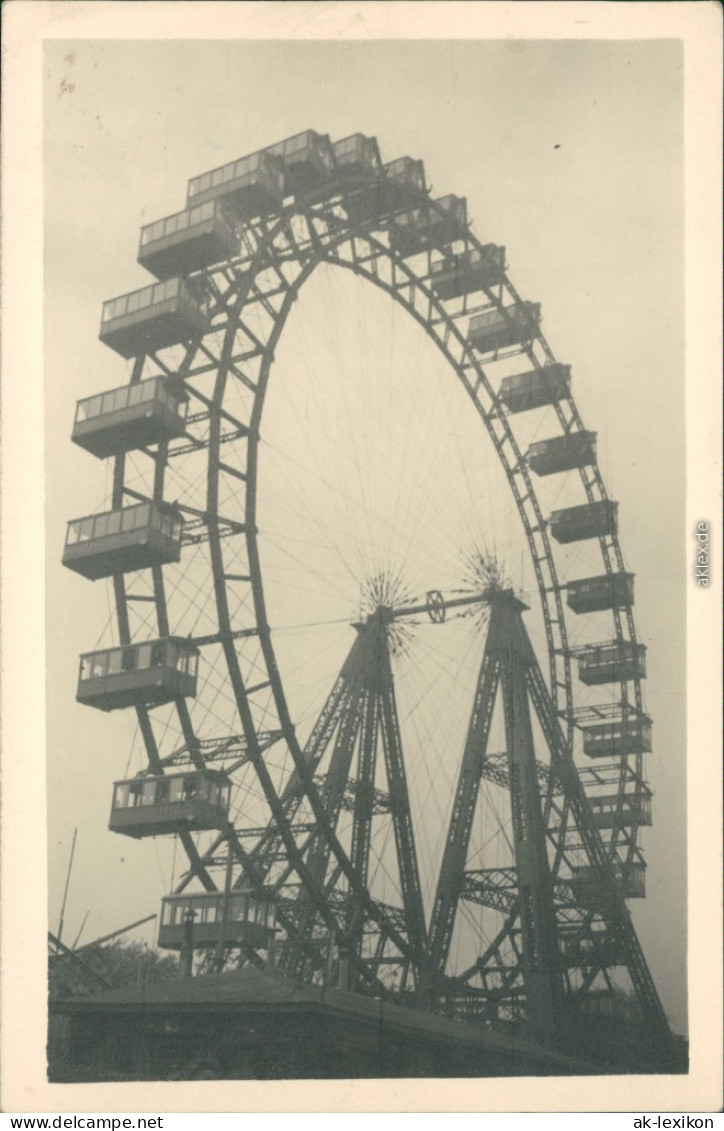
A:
[257,989]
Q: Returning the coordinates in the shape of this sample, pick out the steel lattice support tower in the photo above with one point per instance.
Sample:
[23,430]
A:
[358,725]
[541,972]
[535,907]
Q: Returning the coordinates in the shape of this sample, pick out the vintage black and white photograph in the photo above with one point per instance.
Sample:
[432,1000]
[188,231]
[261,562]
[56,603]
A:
[367,555]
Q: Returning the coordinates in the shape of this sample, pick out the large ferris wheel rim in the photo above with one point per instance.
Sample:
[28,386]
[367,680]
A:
[548,593]
[327,252]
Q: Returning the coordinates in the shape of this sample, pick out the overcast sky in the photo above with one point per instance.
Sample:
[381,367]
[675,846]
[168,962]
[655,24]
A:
[570,155]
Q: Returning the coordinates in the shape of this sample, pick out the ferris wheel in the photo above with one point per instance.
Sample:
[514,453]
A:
[371,611]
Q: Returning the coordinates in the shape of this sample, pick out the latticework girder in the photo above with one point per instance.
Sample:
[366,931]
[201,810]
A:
[547,927]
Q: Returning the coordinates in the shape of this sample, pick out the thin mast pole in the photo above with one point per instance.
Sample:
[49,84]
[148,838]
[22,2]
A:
[67,882]
[80,932]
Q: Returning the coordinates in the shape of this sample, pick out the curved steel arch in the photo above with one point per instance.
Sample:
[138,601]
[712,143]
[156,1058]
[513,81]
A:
[234,286]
